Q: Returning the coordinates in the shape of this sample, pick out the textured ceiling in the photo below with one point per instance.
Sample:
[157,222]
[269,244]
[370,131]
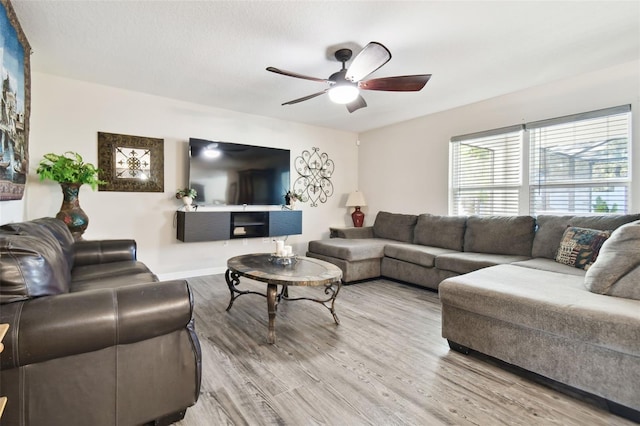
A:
[215,52]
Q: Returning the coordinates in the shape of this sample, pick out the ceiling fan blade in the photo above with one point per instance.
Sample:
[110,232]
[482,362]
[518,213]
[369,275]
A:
[357,104]
[402,83]
[296,75]
[373,56]
[305,98]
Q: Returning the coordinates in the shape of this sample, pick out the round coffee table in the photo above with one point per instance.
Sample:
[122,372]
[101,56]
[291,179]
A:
[306,271]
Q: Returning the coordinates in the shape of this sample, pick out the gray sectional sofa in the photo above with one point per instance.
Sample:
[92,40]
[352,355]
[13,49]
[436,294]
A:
[504,294]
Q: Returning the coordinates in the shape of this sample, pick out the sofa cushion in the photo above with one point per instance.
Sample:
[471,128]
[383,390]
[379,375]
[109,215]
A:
[548,301]
[412,253]
[616,272]
[579,247]
[350,249]
[362,232]
[512,235]
[50,230]
[462,263]
[395,226]
[440,231]
[62,233]
[112,282]
[550,265]
[30,266]
[109,270]
[550,229]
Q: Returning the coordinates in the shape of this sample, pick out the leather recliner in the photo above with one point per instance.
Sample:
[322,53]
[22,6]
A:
[94,338]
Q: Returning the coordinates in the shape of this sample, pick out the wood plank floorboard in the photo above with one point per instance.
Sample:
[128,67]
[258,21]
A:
[385,364]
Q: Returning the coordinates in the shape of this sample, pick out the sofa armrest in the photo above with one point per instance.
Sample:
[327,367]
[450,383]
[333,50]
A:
[103,251]
[53,327]
[350,233]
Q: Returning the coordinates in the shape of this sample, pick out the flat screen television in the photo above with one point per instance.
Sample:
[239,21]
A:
[225,173]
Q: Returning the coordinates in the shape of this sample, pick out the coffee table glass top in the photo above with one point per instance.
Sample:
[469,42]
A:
[306,271]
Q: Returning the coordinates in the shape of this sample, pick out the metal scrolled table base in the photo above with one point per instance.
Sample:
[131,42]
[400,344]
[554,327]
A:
[273,298]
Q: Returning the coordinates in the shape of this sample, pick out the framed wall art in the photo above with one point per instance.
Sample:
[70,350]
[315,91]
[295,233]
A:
[130,163]
[15,105]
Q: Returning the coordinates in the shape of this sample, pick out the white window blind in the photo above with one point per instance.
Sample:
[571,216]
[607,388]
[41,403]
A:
[580,163]
[486,172]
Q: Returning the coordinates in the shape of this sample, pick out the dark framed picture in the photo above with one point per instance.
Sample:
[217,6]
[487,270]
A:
[130,163]
[16,103]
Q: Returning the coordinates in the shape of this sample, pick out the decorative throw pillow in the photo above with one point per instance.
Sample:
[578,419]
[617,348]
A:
[617,271]
[579,247]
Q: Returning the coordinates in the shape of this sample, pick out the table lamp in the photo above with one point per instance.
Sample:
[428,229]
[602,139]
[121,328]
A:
[356,199]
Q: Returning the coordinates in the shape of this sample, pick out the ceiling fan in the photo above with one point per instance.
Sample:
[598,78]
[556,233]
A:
[345,85]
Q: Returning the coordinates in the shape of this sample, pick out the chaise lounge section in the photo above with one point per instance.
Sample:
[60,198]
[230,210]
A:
[579,329]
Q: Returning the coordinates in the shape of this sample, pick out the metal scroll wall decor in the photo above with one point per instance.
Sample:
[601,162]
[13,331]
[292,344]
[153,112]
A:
[315,170]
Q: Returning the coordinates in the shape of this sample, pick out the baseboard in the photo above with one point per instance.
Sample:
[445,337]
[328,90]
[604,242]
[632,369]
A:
[622,411]
[181,275]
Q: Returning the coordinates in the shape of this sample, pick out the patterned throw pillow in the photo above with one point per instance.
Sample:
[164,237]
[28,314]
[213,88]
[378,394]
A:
[579,247]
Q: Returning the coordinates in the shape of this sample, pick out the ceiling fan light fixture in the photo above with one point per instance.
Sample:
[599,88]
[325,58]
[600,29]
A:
[344,86]
[343,93]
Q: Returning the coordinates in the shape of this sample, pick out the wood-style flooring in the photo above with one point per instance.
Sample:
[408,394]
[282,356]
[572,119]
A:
[385,364]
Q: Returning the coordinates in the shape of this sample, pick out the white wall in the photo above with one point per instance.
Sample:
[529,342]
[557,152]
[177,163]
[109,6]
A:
[404,167]
[66,116]
[400,168]
[12,211]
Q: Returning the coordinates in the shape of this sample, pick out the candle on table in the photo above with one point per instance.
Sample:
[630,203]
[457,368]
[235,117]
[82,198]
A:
[279,248]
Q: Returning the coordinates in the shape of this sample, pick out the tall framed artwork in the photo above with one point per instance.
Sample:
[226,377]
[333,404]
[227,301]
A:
[15,105]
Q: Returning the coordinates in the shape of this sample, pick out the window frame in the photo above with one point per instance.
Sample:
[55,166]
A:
[527,157]
[484,138]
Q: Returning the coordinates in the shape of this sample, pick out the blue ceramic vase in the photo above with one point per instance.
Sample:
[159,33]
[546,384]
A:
[70,212]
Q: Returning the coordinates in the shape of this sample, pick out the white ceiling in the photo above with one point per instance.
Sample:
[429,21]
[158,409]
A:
[215,52]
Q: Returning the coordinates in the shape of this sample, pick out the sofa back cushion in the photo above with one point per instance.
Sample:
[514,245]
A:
[395,226]
[440,231]
[30,266]
[550,229]
[616,271]
[50,229]
[62,233]
[499,234]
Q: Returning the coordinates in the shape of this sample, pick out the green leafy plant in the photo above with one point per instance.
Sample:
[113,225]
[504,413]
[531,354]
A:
[187,192]
[601,206]
[69,168]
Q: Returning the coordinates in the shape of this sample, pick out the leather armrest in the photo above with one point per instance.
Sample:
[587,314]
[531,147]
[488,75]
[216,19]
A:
[362,232]
[103,251]
[57,326]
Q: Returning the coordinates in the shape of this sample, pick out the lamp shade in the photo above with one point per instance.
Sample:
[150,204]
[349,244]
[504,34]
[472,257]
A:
[356,199]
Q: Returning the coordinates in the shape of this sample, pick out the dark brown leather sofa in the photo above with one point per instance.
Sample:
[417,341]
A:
[94,338]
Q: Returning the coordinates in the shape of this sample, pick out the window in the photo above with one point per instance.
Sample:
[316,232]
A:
[485,172]
[580,164]
[574,164]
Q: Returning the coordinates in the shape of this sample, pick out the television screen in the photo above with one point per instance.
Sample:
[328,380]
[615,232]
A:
[225,173]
